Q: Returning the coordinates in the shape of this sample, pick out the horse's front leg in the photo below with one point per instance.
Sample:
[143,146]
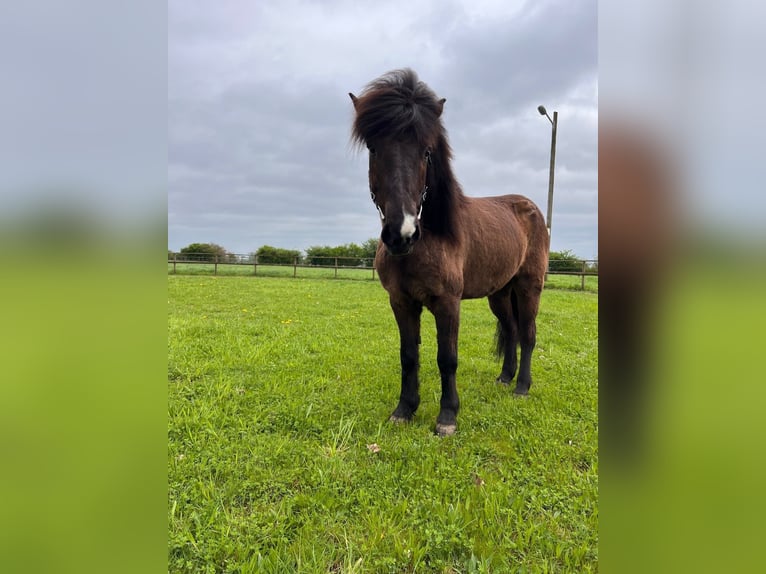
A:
[407,313]
[446,310]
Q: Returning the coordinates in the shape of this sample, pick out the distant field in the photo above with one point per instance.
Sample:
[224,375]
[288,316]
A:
[276,389]
[227,270]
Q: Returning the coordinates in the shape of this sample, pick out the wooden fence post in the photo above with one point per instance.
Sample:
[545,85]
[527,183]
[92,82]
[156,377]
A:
[255,264]
[336,267]
[295,267]
[175,257]
[582,277]
[215,269]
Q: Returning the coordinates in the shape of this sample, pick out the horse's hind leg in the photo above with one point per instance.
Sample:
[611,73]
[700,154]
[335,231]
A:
[503,305]
[528,292]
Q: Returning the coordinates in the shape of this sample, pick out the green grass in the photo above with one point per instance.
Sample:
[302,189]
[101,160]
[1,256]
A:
[572,282]
[276,389]
[242,270]
[361,274]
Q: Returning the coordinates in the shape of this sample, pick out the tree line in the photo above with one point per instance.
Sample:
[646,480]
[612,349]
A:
[568,261]
[349,255]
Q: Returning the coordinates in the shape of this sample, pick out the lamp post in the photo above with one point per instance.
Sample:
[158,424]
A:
[554,124]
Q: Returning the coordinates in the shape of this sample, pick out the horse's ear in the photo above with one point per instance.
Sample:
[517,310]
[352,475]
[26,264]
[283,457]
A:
[353,99]
[440,103]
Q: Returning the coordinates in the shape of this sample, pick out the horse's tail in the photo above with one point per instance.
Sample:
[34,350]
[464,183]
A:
[501,336]
[500,339]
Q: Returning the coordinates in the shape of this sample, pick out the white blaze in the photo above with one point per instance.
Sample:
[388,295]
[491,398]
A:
[408,225]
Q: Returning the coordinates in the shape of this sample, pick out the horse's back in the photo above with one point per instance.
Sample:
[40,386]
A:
[505,236]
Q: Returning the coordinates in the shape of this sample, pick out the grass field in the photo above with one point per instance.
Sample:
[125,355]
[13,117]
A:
[280,458]
[361,274]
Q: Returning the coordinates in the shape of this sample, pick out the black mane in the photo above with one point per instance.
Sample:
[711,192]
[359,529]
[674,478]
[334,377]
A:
[397,105]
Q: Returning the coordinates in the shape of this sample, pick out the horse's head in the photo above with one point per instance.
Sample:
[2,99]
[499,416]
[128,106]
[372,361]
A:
[398,120]
[398,177]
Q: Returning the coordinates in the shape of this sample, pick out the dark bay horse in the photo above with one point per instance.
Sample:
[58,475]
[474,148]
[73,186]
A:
[438,246]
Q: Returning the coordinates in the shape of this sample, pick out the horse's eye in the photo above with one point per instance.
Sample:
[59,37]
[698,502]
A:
[428,155]
[372,150]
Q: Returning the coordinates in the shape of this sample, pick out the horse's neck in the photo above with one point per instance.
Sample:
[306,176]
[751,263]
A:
[445,200]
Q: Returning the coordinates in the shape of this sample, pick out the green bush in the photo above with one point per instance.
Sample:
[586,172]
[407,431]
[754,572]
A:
[349,255]
[564,261]
[203,252]
[277,255]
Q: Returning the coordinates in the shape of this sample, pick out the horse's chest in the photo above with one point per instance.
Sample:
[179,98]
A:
[419,279]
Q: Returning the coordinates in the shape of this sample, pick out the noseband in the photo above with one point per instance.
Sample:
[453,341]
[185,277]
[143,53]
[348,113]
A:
[422,195]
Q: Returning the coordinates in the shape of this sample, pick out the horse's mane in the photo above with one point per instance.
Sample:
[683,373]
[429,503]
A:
[399,105]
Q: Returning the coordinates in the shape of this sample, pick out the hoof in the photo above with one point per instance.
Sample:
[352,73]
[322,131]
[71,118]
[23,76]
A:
[445,430]
[399,420]
[503,381]
[520,393]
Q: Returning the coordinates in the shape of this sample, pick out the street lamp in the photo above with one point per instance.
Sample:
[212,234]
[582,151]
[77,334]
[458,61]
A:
[554,124]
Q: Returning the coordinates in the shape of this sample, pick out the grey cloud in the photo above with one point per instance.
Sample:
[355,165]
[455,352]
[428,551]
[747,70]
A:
[259,116]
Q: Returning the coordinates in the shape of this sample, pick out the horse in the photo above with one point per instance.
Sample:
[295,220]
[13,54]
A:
[438,246]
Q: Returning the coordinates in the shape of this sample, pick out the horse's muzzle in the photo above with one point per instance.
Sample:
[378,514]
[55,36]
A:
[397,242]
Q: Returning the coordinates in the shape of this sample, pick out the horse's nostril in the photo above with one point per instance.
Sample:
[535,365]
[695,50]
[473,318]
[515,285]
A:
[385,235]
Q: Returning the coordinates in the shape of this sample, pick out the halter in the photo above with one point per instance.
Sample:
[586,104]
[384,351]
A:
[422,195]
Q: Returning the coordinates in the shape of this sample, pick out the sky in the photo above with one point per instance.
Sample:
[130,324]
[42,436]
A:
[682,72]
[259,117]
[83,112]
